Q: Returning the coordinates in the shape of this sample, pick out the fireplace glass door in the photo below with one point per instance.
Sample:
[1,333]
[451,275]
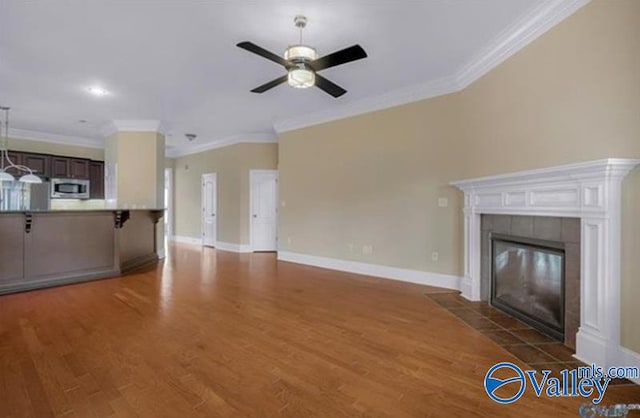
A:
[528,281]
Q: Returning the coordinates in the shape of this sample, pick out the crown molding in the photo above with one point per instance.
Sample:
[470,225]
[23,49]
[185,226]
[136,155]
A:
[30,135]
[132,125]
[531,26]
[254,138]
[370,104]
[520,34]
[510,41]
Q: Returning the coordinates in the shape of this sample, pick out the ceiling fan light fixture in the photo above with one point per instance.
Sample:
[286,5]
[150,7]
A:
[300,52]
[302,62]
[301,78]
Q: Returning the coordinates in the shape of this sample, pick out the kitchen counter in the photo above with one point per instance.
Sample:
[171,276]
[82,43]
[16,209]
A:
[80,210]
[49,248]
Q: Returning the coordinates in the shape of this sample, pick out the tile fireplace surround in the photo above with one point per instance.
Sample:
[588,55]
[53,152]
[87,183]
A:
[590,191]
[561,230]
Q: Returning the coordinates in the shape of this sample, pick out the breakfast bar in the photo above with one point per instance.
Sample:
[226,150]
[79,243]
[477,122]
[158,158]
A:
[49,248]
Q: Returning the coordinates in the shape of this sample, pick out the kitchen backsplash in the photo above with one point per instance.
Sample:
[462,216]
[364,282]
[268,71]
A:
[77,204]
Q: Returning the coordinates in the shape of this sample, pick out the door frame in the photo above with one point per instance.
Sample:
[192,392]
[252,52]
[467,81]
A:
[252,174]
[168,178]
[202,214]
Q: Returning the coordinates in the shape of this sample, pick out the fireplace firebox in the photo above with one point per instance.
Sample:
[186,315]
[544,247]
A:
[528,281]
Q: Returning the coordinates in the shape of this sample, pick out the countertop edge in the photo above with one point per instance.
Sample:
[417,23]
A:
[82,210]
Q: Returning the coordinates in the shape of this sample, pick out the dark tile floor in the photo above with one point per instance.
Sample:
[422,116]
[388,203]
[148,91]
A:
[538,350]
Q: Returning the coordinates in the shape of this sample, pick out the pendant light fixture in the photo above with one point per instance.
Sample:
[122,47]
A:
[5,161]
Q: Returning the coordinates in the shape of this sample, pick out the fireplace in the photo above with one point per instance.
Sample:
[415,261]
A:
[530,269]
[527,281]
[589,192]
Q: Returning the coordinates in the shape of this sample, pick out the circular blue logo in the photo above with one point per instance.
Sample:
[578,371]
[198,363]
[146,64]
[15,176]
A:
[492,384]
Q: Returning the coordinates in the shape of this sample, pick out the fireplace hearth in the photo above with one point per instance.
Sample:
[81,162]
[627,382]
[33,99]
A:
[527,281]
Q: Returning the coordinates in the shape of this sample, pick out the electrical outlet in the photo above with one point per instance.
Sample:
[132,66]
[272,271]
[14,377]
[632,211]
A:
[283,203]
[435,256]
[443,202]
[288,240]
[367,249]
[351,247]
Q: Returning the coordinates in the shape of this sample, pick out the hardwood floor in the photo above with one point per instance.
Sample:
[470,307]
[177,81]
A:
[220,334]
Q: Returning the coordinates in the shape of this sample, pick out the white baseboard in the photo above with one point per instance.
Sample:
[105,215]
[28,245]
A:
[236,248]
[376,270]
[466,289]
[186,240]
[222,246]
[591,347]
[628,358]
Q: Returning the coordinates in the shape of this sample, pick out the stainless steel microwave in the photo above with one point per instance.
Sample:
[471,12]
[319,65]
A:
[69,189]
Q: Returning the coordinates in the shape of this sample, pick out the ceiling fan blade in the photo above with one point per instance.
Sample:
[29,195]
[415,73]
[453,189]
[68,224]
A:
[353,53]
[251,47]
[271,84]
[329,87]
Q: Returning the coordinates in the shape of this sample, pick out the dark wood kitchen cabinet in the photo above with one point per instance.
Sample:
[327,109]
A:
[16,158]
[96,175]
[60,167]
[57,166]
[79,169]
[38,163]
[71,168]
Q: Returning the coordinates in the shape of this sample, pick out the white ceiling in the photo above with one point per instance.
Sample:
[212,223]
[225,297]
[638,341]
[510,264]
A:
[176,60]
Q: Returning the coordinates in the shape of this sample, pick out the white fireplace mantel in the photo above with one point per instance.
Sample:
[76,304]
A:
[590,191]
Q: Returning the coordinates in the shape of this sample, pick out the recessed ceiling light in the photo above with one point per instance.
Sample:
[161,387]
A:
[98,91]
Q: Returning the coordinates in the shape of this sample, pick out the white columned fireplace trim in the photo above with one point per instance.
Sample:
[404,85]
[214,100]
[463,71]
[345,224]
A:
[590,191]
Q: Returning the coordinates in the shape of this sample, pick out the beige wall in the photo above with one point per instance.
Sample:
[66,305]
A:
[24,145]
[375,180]
[572,95]
[232,165]
[140,161]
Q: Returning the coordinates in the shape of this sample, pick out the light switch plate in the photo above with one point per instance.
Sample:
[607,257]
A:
[443,202]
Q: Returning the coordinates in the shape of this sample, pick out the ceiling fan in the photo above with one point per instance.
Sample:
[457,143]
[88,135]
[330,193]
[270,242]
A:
[302,64]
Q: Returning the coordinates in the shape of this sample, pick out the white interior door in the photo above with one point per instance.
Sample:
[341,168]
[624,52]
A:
[209,209]
[264,210]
